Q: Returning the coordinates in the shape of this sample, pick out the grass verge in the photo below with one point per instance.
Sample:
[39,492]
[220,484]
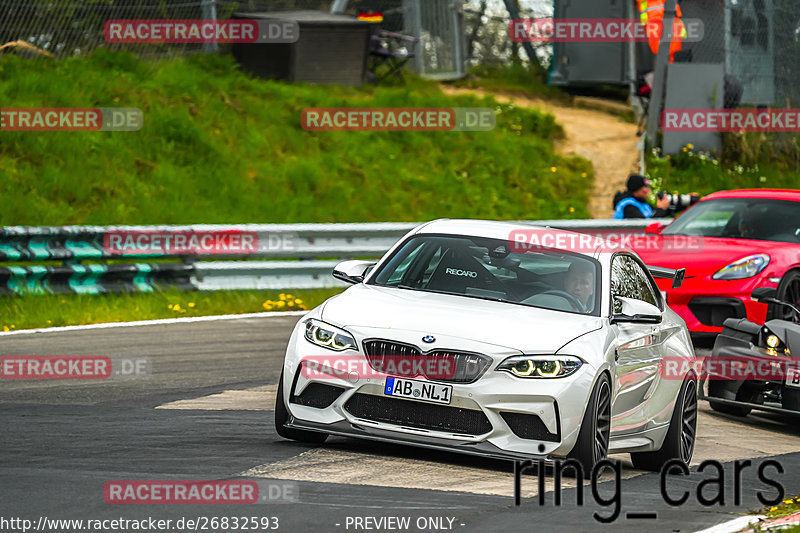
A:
[219,146]
[50,310]
[786,508]
[692,171]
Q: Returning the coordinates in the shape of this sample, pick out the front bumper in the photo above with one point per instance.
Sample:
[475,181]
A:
[499,415]
[705,303]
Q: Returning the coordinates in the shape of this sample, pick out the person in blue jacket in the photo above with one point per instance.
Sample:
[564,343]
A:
[633,203]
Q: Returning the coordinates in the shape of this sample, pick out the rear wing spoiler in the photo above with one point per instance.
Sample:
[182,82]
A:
[667,273]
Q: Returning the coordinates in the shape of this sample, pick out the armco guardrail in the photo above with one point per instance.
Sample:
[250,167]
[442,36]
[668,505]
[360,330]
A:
[263,252]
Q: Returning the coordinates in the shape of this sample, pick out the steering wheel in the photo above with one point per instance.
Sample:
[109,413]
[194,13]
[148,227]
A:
[574,302]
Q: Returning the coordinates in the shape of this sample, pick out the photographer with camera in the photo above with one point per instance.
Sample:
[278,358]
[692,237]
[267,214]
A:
[633,202]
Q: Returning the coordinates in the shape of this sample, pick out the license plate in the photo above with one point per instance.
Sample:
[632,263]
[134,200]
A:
[418,390]
[793,378]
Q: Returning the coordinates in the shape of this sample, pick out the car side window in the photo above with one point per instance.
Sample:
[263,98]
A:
[643,282]
[629,280]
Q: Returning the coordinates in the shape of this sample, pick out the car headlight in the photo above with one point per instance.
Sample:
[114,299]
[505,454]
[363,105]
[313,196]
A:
[771,344]
[773,341]
[541,366]
[746,267]
[328,336]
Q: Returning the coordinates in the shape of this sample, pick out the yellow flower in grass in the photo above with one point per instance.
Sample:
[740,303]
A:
[281,304]
[282,296]
[553,169]
[690,146]
[298,301]
[191,304]
[290,304]
[169,306]
[5,328]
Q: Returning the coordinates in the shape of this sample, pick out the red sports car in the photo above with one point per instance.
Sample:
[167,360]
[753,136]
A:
[730,243]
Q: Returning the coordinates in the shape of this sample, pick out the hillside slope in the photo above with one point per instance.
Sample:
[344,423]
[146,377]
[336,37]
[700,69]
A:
[220,147]
[606,140]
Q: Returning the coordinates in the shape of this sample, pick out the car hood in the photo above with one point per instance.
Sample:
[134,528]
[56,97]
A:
[702,256]
[512,326]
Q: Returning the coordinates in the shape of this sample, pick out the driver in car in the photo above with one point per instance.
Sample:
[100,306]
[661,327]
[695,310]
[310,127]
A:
[580,283]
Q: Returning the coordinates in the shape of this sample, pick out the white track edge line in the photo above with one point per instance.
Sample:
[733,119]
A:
[182,320]
[732,526]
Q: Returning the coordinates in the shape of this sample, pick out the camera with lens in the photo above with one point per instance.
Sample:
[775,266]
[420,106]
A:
[679,202]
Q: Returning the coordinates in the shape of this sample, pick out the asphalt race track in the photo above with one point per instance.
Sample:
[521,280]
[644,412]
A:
[205,413]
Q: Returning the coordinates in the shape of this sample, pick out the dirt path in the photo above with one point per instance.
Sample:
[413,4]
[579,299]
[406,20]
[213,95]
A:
[604,139]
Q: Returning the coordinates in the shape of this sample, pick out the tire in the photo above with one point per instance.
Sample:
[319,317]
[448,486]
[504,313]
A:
[788,291]
[282,416]
[593,437]
[681,435]
[790,398]
[717,389]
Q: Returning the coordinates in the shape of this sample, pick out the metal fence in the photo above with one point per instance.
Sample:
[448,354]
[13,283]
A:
[285,256]
[756,40]
[75,27]
[753,45]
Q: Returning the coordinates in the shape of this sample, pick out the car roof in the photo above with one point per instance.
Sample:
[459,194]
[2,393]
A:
[500,230]
[766,194]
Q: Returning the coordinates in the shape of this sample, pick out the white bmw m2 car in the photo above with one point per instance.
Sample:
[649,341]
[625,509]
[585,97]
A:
[459,339]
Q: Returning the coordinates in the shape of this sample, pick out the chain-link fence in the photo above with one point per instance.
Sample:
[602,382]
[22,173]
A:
[748,57]
[72,27]
[487,39]
[756,41]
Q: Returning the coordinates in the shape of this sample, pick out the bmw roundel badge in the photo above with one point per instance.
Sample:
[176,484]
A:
[429,339]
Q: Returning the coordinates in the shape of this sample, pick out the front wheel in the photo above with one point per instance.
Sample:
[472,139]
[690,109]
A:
[592,445]
[788,291]
[282,416]
[680,439]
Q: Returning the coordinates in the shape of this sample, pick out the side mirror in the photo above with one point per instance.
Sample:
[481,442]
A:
[762,294]
[654,229]
[352,271]
[628,310]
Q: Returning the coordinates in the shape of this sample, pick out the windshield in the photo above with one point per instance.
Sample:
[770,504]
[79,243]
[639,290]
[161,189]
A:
[486,268]
[741,218]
